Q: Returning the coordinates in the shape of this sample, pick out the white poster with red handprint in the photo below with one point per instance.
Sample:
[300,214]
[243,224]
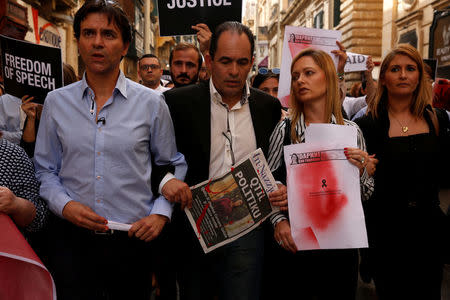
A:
[324,198]
[295,40]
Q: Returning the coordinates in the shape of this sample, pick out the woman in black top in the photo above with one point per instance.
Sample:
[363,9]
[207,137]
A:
[403,216]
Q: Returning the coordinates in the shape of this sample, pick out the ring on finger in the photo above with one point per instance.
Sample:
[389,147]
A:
[363,160]
[280,243]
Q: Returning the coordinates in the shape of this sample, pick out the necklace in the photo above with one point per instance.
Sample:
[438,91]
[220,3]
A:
[404,128]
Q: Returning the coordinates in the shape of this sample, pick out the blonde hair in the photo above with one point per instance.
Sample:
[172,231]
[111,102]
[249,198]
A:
[333,102]
[422,96]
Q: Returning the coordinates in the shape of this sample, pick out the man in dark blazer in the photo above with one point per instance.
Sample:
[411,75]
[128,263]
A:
[218,123]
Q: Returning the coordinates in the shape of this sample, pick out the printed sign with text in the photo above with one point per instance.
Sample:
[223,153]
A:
[30,69]
[177,16]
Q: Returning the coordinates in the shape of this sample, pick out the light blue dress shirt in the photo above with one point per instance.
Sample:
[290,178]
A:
[105,166]
[10,118]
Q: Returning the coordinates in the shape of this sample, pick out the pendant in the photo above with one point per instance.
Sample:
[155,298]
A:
[405,129]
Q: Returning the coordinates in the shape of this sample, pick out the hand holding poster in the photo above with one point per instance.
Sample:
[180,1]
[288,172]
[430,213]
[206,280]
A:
[22,274]
[226,208]
[30,69]
[295,40]
[325,209]
[177,16]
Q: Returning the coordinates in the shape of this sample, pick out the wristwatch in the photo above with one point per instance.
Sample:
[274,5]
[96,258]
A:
[340,76]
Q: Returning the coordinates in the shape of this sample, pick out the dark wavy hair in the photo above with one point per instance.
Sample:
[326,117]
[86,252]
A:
[111,9]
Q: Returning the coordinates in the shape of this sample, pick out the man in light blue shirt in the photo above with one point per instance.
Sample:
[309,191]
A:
[96,142]
[10,121]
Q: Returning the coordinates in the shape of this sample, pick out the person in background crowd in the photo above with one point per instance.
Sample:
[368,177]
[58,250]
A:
[406,228]
[185,61]
[267,83]
[315,98]
[169,84]
[441,93]
[33,113]
[356,90]
[204,74]
[149,68]
[96,141]
[69,74]
[11,121]
[352,105]
[232,271]
[19,189]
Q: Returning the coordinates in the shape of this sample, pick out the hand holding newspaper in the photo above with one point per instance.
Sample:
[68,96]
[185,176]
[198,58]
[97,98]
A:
[228,207]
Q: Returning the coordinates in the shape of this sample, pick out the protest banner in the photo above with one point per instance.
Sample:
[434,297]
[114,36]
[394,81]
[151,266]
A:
[177,16]
[324,198]
[355,62]
[22,274]
[295,40]
[228,207]
[30,69]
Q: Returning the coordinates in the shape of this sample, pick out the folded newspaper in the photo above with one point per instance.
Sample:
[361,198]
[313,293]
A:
[232,205]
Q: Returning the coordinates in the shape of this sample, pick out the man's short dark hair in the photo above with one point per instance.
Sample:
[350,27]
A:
[186,46]
[111,9]
[149,56]
[232,26]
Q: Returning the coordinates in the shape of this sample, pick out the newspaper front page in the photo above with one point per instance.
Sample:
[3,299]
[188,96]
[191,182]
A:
[230,206]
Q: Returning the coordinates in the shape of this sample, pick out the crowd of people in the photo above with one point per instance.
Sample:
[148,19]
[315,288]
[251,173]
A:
[106,148]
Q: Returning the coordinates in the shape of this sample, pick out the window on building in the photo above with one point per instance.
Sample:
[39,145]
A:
[318,20]
[336,12]
[139,27]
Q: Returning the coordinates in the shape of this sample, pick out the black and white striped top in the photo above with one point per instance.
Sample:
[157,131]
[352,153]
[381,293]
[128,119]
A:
[276,157]
[17,174]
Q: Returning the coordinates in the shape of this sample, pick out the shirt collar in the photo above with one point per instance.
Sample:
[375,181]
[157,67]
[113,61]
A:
[121,85]
[216,97]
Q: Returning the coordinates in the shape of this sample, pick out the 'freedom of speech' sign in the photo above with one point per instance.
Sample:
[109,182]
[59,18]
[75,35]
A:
[30,69]
[177,16]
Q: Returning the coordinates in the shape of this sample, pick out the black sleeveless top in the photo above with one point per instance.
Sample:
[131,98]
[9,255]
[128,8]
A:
[404,207]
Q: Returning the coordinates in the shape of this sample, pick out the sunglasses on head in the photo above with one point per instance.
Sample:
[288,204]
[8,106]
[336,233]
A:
[264,71]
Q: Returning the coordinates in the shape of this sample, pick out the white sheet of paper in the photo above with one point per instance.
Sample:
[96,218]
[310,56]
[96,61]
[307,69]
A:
[325,208]
[118,226]
[340,136]
[355,62]
[295,40]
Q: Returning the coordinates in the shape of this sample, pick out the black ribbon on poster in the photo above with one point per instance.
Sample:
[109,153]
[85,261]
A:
[177,16]
[30,69]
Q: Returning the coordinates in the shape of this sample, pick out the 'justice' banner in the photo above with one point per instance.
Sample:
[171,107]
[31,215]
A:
[325,207]
[22,274]
[177,16]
